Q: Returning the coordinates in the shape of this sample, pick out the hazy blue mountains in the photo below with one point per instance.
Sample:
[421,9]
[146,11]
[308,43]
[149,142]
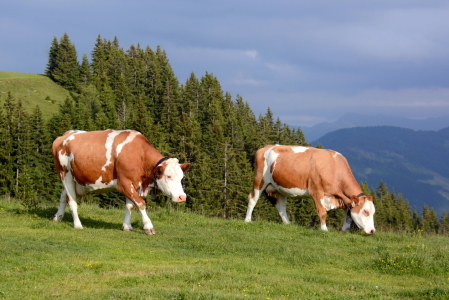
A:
[350,120]
[414,163]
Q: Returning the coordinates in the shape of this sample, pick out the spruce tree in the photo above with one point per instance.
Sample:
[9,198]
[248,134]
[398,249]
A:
[99,63]
[52,58]
[429,220]
[444,229]
[6,179]
[66,71]
[85,73]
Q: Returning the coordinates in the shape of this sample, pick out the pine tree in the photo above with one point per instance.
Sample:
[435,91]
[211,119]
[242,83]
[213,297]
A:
[429,220]
[444,228]
[85,73]
[6,159]
[169,108]
[100,56]
[66,69]
[41,164]
[22,146]
[52,58]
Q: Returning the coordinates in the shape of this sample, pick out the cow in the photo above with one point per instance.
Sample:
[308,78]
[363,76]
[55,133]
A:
[122,160]
[324,175]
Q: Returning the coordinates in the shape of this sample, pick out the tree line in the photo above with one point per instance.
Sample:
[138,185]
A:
[195,121]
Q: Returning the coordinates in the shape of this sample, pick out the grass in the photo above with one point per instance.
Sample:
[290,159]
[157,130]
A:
[33,90]
[194,257]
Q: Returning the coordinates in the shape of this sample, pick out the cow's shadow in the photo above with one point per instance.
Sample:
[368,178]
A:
[47,213]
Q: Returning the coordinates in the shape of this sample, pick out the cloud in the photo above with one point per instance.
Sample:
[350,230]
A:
[306,60]
[310,108]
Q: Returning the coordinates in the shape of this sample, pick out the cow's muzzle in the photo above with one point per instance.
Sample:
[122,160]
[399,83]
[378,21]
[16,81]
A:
[181,198]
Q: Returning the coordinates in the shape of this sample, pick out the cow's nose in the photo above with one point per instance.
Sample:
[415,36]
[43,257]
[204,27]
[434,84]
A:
[372,231]
[182,198]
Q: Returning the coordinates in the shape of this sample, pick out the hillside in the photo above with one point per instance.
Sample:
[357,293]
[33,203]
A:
[33,89]
[194,257]
[414,163]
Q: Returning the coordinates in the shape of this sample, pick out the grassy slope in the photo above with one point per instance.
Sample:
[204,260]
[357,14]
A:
[193,257]
[33,90]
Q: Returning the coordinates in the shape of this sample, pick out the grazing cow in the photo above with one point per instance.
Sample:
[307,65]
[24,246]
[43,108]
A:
[122,160]
[323,175]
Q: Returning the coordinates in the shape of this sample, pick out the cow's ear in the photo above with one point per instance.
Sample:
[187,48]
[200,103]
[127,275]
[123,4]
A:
[355,199]
[158,171]
[369,198]
[185,167]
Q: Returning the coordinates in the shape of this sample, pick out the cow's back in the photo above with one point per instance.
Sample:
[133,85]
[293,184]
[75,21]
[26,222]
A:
[301,167]
[93,156]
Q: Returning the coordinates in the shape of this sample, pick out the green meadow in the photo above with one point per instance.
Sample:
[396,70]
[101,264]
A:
[33,90]
[196,257]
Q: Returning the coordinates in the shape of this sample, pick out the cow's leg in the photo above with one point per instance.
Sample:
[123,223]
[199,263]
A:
[347,222]
[252,201]
[321,210]
[62,204]
[147,225]
[281,205]
[126,187]
[127,221]
[69,185]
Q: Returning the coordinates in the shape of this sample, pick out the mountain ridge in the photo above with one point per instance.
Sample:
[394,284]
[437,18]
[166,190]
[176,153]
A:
[413,163]
[350,120]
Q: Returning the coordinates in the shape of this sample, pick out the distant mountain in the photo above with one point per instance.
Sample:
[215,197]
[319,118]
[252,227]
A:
[350,120]
[413,163]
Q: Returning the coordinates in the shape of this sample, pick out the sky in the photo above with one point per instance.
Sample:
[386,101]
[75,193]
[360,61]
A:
[309,61]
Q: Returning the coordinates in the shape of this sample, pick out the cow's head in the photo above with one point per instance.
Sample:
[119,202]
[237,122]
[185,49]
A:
[168,175]
[362,213]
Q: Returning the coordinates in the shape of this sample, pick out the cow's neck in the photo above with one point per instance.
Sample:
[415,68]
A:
[352,188]
[152,159]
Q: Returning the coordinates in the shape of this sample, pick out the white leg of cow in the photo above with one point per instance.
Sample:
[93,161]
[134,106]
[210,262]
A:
[281,205]
[61,210]
[347,222]
[127,221]
[251,204]
[147,225]
[69,186]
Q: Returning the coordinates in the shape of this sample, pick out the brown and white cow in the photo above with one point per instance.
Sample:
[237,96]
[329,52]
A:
[323,175]
[123,160]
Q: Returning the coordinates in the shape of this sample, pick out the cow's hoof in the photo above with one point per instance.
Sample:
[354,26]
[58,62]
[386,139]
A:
[127,228]
[57,218]
[149,231]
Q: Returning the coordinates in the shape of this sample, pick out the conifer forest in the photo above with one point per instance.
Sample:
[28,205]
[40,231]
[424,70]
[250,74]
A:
[195,121]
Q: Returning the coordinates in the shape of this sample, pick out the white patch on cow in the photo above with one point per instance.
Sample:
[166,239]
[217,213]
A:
[327,203]
[108,145]
[71,136]
[336,154]
[291,192]
[299,149]
[142,192]
[63,159]
[129,139]
[99,185]
[270,158]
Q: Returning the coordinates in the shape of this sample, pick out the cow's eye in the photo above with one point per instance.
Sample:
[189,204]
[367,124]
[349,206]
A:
[168,176]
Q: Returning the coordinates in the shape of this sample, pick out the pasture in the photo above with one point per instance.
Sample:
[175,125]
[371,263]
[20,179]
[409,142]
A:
[33,90]
[195,257]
